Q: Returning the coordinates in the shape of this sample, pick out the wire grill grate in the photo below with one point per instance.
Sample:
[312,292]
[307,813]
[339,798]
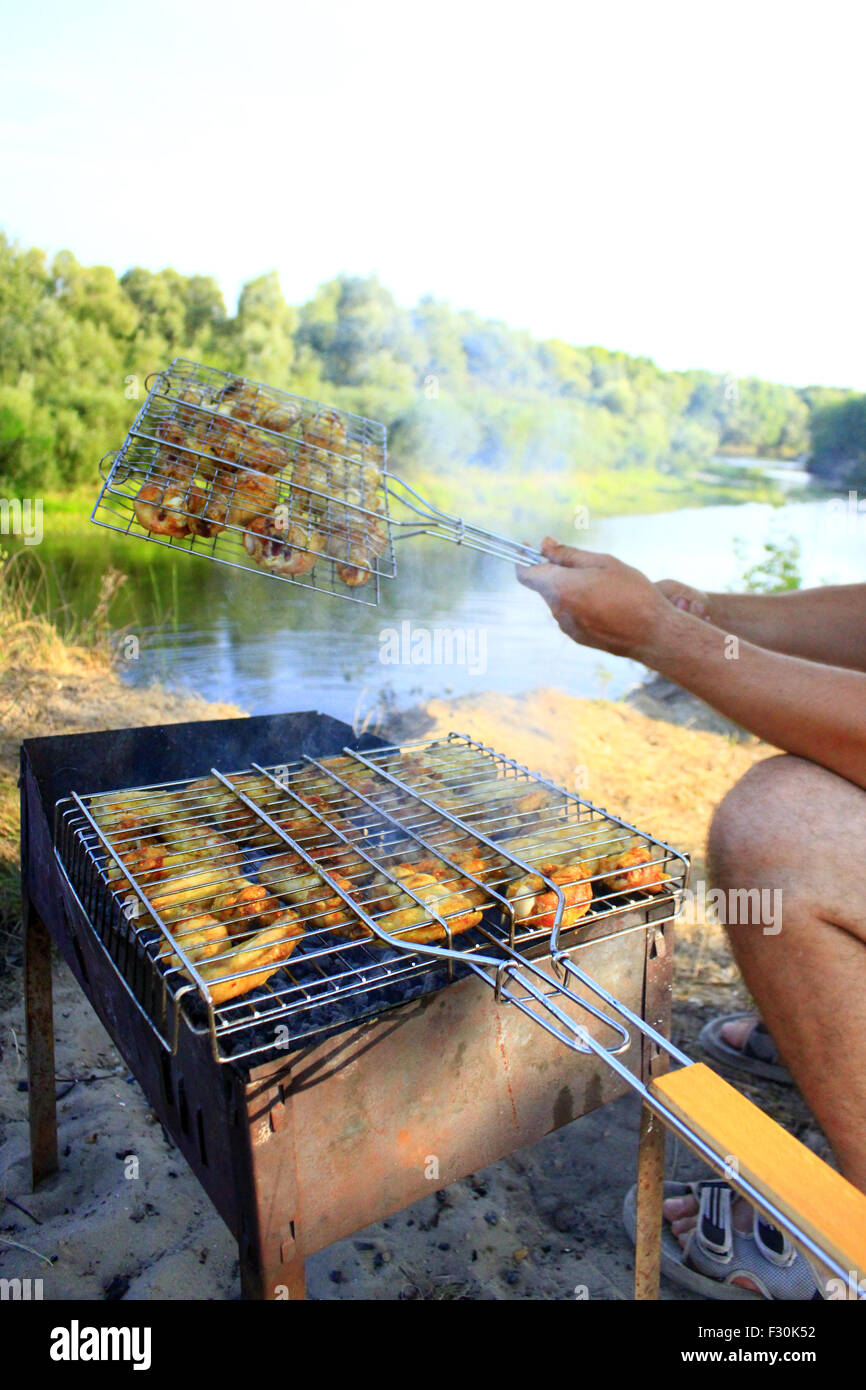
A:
[249,904]
[230,470]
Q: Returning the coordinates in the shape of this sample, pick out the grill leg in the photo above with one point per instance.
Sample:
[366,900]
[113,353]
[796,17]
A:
[650,1190]
[39,1007]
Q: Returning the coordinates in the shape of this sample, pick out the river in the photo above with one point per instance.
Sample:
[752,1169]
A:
[451,623]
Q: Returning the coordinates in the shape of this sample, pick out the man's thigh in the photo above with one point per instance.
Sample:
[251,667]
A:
[793,826]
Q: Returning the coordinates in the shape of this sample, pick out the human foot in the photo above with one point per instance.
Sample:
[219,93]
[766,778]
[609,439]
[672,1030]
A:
[744,1044]
[682,1214]
[728,1249]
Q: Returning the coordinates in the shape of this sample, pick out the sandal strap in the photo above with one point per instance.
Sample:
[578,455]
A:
[773,1244]
[760,1045]
[714,1233]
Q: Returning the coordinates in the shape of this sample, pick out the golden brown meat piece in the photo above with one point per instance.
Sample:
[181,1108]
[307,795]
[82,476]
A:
[284,545]
[121,816]
[632,870]
[146,859]
[199,850]
[240,398]
[199,937]
[194,395]
[504,804]
[241,904]
[470,862]
[326,430]
[187,888]
[233,500]
[222,438]
[328,482]
[397,913]
[279,418]
[578,843]
[171,431]
[304,825]
[363,471]
[314,901]
[263,456]
[312,475]
[262,954]
[209,798]
[535,904]
[165,506]
[356,545]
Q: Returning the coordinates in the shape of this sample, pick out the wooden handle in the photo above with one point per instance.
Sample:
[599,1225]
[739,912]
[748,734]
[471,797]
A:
[824,1205]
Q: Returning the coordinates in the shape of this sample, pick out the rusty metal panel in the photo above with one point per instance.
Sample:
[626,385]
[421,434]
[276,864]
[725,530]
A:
[385,1114]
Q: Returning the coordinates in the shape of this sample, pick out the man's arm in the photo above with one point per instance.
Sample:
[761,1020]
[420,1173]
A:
[827,624]
[815,711]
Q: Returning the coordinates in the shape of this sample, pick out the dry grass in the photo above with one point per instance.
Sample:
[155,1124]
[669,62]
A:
[56,677]
[34,632]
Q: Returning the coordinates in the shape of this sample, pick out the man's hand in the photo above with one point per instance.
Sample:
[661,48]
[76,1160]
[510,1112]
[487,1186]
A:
[597,600]
[684,597]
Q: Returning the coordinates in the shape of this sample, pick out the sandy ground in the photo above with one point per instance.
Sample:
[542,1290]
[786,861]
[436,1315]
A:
[541,1224]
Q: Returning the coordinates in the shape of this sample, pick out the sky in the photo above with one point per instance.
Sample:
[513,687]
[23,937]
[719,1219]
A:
[684,181]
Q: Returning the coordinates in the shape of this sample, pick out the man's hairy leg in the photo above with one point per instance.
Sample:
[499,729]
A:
[793,828]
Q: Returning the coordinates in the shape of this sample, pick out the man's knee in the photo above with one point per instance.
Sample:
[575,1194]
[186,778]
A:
[754,825]
[750,845]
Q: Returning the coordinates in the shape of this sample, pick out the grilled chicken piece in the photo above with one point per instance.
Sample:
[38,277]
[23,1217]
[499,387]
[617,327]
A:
[631,870]
[454,882]
[303,825]
[262,953]
[351,481]
[242,397]
[221,807]
[355,541]
[312,475]
[145,859]
[404,918]
[581,843]
[232,500]
[326,430]
[193,835]
[279,418]
[121,817]
[318,906]
[507,803]
[535,904]
[284,545]
[166,505]
[245,907]
[179,890]
[199,938]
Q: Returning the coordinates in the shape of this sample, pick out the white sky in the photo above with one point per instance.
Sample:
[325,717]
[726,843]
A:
[680,180]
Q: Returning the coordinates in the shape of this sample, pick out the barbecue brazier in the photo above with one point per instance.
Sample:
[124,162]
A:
[302,1143]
